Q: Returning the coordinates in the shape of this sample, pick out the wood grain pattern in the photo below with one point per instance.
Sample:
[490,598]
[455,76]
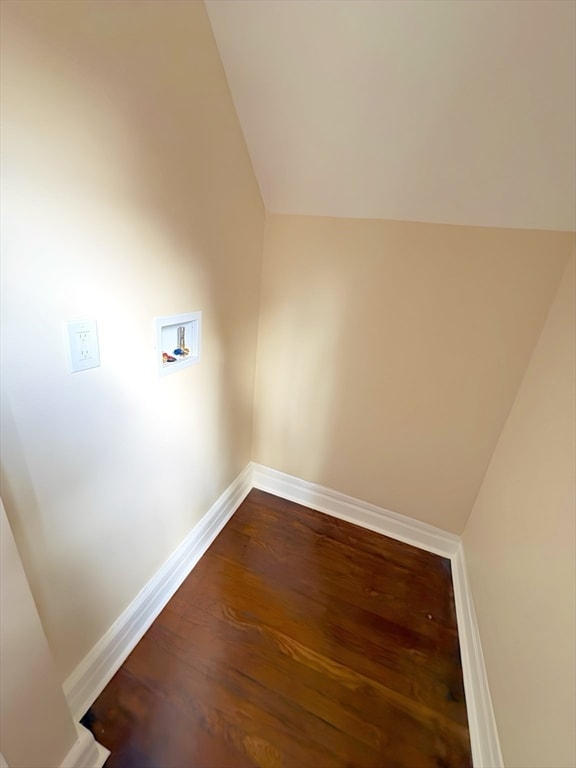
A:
[298,640]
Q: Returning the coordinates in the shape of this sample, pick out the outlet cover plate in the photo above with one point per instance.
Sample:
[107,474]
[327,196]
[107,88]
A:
[83,350]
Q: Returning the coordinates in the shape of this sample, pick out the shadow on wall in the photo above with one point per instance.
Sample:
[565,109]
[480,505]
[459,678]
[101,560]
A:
[127,194]
[301,339]
[390,354]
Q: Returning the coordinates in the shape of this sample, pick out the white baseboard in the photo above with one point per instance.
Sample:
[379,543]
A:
[481,720]
[94,672]
[482,724]
[86,752]
[97,668]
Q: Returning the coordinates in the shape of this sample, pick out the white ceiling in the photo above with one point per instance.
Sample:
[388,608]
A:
[460,112]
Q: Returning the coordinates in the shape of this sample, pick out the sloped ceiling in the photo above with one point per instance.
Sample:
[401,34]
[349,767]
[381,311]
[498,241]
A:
[458,112]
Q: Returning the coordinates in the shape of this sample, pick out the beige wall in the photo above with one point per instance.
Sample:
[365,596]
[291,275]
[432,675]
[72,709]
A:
[519,545]
[390,353]
[36,728]
[127,194]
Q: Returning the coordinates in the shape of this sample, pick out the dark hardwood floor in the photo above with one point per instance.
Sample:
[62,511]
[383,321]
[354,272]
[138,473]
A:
[298,640]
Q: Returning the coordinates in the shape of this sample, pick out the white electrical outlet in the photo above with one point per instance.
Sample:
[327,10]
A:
[83,351]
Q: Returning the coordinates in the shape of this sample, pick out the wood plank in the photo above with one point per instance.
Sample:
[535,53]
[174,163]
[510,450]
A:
[361,539]
[362,581]
[298,640]
[393,655]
